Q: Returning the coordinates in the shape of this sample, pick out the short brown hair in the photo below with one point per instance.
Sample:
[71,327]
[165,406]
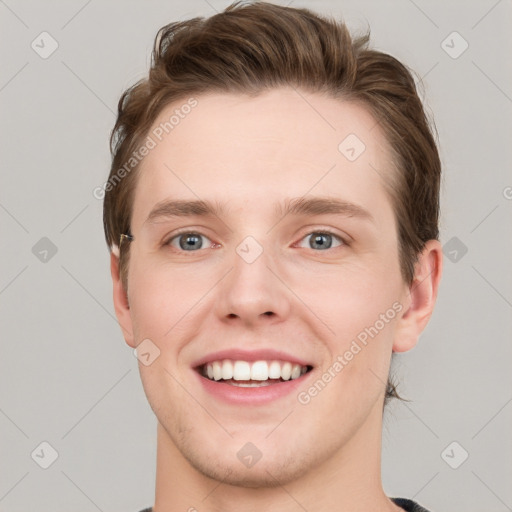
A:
[250,48]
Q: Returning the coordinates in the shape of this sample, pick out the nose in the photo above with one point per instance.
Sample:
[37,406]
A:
[252,293]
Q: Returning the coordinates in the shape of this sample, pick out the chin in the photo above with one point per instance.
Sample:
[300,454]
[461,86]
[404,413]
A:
[266,462]
[266,472]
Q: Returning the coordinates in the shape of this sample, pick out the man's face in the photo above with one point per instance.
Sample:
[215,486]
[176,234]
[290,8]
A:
[256,284]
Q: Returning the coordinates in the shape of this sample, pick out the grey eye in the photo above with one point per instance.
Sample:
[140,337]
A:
[188,241]
[321,240]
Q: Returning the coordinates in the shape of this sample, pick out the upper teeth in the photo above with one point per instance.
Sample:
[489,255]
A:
[257,370]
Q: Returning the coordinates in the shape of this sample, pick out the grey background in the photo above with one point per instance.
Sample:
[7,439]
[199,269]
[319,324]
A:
[66,375]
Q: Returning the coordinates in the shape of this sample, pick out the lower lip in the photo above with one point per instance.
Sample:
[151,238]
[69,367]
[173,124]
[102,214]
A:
[251,396]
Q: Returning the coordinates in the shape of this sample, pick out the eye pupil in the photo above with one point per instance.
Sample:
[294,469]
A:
[319,240]
[192,241]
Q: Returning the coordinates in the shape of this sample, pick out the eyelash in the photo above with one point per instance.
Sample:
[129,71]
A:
[321,231]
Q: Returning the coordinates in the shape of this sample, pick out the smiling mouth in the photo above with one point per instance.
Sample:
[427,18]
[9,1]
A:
[252,374]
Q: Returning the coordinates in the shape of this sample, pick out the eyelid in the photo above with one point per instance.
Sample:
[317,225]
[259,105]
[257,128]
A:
[184,231]
[322,230]
[327,231]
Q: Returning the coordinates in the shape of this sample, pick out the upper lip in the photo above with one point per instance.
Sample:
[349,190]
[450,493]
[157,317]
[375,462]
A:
[250,355]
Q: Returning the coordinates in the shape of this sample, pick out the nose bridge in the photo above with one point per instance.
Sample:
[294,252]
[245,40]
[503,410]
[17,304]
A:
[251,291]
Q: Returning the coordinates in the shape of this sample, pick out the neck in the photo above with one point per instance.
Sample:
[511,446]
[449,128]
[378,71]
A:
[349,480]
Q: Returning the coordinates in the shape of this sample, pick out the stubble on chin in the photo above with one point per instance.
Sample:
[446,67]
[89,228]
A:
[272,470]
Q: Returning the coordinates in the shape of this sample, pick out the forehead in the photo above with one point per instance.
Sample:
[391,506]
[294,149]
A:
[257,150]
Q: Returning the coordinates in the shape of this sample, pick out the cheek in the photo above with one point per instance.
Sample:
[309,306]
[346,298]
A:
[169,306]
[350,298]
[360,309]
[163,295]
[150,305]
[352,381]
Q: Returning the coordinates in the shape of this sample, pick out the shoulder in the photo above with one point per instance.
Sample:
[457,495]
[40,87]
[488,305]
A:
[407,505]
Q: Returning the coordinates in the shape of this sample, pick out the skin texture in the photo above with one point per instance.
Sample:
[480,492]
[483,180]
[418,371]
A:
[253,153]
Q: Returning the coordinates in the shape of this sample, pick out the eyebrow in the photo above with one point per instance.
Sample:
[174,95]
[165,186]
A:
[293,206]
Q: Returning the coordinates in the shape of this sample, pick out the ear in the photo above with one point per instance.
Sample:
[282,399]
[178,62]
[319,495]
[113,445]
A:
[420,297]
[121,305]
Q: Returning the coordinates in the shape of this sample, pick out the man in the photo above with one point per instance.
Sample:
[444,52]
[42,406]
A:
[272,211]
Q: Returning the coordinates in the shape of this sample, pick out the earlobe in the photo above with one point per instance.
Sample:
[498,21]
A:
[121,305]
[421,297]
